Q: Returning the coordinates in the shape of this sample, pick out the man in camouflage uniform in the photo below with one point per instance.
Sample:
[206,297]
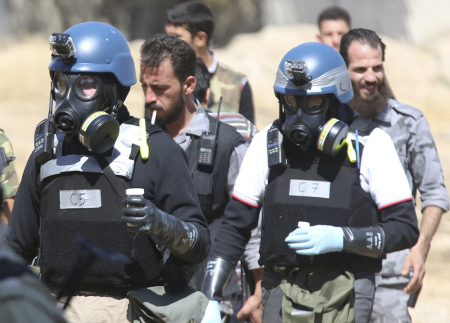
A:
[9,179]
[363,51]
[193,22]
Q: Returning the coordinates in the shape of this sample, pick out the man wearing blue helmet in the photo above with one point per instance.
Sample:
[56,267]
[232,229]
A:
[88,153]
[333,196]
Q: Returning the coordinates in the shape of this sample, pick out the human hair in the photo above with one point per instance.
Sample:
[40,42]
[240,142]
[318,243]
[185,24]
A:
[335,13]
[194,16]
[160,48]
[363,36]
[203,80]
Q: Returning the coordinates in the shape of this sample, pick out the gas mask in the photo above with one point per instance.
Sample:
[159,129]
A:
[308,122]
[85,107]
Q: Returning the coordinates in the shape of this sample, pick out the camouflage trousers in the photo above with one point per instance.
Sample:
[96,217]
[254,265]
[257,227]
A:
[390,305]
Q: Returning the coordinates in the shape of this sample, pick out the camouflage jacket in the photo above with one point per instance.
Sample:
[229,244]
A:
[410,132]
[234,89]
[9,178]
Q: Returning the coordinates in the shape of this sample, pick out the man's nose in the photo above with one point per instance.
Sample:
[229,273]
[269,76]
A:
[336,41]
[369,76]
[150,96]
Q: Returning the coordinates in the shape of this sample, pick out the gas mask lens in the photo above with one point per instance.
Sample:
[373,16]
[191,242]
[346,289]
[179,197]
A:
[86,88]
[315,103]
[310,104]
[60,85]
[291,103]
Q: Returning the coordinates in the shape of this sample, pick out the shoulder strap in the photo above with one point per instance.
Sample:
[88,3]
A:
[119,186]
[365,127]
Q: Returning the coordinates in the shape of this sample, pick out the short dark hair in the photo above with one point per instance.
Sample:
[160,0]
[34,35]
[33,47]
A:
[203,80]
[160,48]
[363,36]
[194,16]
[335,13]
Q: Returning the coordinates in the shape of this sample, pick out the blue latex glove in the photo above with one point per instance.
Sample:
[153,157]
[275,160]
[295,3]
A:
[316,240]
[212,313]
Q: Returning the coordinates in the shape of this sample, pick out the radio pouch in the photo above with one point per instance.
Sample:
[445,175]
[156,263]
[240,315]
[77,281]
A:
[318,294]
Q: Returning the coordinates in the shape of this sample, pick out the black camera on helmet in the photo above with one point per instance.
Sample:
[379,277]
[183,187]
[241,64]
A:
[298,71]
[62,46]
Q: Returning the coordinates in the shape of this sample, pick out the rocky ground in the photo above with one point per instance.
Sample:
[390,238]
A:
[419,77]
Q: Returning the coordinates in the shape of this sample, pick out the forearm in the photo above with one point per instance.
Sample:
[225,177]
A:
[431,217]
[257,276]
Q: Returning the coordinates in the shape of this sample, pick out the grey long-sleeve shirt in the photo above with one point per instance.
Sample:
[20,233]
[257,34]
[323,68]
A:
[410,132]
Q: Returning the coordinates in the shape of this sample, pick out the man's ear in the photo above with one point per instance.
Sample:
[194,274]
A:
[319,38]
[201,40]
[189,85]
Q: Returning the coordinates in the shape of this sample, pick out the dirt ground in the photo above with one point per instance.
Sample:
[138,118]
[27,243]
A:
[419,77]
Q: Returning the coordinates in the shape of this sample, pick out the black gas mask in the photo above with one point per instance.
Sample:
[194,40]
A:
[86,106]
[309,122]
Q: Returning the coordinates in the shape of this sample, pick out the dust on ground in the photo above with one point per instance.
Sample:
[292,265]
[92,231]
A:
[419,77]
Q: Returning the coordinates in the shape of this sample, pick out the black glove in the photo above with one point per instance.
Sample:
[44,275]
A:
[142,216]
[365,241]
[217,275]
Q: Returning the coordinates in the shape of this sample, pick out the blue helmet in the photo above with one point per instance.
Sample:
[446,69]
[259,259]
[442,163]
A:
[98,48]
[312,69]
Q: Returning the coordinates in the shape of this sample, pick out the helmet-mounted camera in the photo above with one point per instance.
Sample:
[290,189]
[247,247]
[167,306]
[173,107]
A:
[62,46]
[298,71]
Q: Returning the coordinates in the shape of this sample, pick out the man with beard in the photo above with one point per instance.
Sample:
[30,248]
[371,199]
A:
[364,52]
[168,66]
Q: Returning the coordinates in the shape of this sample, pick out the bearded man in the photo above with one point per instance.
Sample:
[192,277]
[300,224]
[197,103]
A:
[364,54]
[168,81]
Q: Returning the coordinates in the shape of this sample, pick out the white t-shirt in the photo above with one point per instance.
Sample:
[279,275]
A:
[381,173]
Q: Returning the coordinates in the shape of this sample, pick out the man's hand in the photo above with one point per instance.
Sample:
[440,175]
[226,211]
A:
[416,261]
[316,240]
[416,258]
[212,313]
[141,215]
[252,309]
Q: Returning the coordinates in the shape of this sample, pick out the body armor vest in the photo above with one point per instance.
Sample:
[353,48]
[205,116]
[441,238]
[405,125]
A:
[318,189]
[212,182]
[69,183]
[212,187]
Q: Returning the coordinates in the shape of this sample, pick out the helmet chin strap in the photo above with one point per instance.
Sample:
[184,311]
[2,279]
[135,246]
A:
[116,108]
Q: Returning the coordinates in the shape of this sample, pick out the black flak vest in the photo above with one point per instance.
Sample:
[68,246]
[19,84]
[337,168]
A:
[318,189]
[102,226]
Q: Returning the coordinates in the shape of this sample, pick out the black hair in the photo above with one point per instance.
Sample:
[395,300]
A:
[194,16]
[335,13]
[203,80]
[160,48]
[363,36]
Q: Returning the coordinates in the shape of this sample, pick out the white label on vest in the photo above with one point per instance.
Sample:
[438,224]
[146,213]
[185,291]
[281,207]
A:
[80,199]
[301,187]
